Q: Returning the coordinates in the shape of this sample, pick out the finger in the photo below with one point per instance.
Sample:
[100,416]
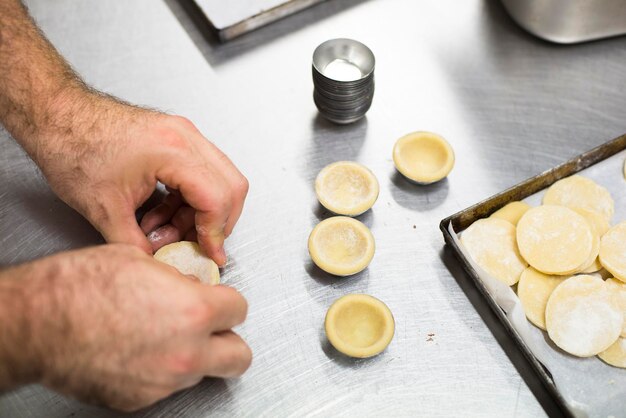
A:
[191,235]
[162,236]
[162,213]
[120,226]
[226,355]
[227,308]
[184,219]
[210,233]
[238,184]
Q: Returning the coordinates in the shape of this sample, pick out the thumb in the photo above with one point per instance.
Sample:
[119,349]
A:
[121,227]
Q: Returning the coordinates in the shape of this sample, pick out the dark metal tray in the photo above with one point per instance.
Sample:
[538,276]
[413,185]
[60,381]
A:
[461,220]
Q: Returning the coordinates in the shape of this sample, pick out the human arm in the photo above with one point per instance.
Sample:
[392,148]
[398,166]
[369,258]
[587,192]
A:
[104,157]
[110,325]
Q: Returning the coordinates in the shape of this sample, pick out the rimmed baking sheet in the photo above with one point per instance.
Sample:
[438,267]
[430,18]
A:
[582,387]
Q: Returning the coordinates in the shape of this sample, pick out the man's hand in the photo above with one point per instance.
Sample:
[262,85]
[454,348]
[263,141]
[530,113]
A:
[104,157]
[110,325]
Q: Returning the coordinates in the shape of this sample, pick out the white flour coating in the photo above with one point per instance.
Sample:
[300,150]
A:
[613,251]
[187,258]
[345,186]
[554,239]
[582,317]
[342,243]
[580,192]
[491,244]
[619,292]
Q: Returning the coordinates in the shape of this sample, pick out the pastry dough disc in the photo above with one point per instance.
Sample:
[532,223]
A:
[582,316]
[615,355]
[619,289]
[534,289]
[512,212]
[188,258]
[613,251]
[346,188]
[359,325]
[491,244]
[554,239]
[599,226]
[580,192]
[423,157]
[341,246]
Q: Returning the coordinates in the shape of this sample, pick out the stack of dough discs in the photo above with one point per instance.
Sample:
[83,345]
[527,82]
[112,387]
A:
[341,246]
[554,239]
[619,291]
[593,263]
[346,188]
[615,355]
[491,244]
[512,212]
[599,227]
[580,192]
[583,317]
[188,258]
[613,251]
[534,290]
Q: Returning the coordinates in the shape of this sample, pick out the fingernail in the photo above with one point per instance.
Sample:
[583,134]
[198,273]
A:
[222,256]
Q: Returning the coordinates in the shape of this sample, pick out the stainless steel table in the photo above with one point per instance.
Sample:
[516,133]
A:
[510,105]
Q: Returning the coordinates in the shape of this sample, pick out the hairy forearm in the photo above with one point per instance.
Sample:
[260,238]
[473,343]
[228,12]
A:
[18,364]
[34,78]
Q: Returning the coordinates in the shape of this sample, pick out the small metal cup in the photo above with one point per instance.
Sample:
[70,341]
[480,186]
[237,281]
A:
[343,80]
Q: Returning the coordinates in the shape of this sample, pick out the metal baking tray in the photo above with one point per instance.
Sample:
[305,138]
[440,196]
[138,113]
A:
[461,220]
[569,21]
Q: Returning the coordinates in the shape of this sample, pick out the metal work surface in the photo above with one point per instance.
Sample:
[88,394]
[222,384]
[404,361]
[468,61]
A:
[510,105]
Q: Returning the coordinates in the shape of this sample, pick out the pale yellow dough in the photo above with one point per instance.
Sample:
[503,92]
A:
[619,290]
[613,251]
[359,325]
[599,225]
[534,290]
[491,244]
[582,316]
[615,355]
[346,188]
[580,192]
[512,212]
[341,246]
[423,157]
[188,258]
[554,239]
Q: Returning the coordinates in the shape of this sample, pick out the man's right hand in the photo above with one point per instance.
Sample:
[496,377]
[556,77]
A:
[113,326]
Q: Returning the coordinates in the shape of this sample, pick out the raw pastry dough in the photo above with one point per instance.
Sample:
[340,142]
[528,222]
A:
[613,251]
[341,246]
[423,157]
[599,226]
[346,188]
[512,212]
[619,289]
[534,290]
[188,258]
[554,239]
[491,244]
[615,355]
[580,192]
[582,317]
[359,325]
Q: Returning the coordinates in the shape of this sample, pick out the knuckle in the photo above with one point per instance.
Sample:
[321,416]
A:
[182,122]
[243,186]
[185,362]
